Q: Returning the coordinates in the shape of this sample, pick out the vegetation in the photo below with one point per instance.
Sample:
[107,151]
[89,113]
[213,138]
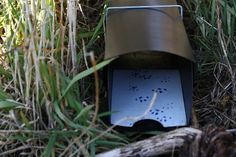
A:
[49,102]
[213,39]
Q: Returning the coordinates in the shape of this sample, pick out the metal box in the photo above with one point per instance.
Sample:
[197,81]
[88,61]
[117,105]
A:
[151,79]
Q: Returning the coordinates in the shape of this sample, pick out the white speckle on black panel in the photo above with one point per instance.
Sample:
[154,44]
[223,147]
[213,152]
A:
[132,92]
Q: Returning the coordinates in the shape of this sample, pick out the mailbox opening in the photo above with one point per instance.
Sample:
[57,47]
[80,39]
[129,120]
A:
[132,87]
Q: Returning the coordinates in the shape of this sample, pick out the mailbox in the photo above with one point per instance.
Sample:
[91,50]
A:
[151,79]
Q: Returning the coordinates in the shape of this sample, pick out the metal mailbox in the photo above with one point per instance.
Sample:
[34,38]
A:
[151,79]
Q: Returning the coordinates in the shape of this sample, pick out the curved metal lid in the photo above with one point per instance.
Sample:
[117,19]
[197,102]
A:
[147,29]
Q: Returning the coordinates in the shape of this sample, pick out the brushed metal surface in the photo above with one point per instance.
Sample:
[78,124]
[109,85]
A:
[137,30]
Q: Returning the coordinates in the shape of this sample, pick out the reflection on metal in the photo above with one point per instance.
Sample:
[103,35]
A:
[150,40]
[140,7]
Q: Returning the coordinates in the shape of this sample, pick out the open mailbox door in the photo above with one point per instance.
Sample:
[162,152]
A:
[152,77]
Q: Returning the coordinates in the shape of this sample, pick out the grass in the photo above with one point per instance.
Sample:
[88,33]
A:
[49,86]
[42,109]
[213,40]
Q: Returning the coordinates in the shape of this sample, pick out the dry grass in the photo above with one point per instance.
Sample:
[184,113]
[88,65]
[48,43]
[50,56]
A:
[214,45]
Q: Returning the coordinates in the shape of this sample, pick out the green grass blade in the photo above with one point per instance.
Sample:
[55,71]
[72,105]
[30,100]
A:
[65,119]
[229,9]
[3,95]
[51,143]
[5,73]
[86,73]
[83,113]
[7,104]
[25,120]
[96,32]
[110,144]
[92,148]
[213,12]
[104,114]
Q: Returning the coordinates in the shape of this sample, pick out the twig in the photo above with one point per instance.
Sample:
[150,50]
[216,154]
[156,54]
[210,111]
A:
[20,148]
[157,145]
[93,61]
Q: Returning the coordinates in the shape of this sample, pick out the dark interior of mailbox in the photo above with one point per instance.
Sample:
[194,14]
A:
[136,77]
